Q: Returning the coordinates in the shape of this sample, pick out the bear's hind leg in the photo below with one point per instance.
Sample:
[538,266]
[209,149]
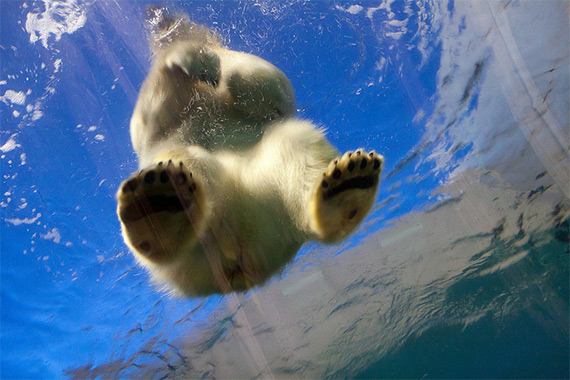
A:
[344,194]
[162,210]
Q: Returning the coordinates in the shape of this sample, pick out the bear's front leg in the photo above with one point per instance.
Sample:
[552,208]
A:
[162,211]
[195,60]
[345,193]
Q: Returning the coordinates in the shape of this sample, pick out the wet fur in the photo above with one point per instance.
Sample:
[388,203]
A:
[217,129]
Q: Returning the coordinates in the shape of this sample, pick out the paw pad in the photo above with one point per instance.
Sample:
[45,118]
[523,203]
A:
[356,170]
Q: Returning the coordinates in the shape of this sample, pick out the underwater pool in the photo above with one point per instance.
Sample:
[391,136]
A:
[461,270]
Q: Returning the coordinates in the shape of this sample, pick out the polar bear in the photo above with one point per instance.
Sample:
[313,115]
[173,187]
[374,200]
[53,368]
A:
[231,184]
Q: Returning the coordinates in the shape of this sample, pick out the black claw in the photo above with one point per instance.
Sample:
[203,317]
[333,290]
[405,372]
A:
[149,177]
[363,163]
[351,166]
[336,173]
[204,76]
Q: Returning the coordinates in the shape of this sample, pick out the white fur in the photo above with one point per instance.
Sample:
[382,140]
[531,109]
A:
[257,168]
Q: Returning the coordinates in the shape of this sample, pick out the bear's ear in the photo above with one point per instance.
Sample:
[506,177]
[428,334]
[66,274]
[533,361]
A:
[159,17]
[165,27]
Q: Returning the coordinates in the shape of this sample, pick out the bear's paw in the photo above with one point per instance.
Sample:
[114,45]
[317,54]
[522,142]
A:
[161,210]
[345,194]
[196,61]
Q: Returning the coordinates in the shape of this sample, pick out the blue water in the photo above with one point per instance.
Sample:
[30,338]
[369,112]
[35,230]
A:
[460,271]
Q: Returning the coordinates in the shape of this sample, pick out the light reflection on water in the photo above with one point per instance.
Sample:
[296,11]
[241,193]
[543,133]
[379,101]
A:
[467,245]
